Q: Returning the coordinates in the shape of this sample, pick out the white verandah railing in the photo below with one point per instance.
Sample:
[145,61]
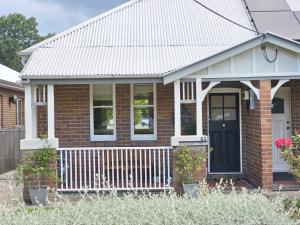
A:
[128,168]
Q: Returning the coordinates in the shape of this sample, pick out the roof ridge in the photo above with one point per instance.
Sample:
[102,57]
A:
[81,25]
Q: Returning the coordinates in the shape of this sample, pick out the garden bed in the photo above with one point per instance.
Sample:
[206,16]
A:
[212,207]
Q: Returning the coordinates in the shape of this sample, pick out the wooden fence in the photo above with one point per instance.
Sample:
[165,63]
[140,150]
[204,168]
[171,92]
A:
[10,148]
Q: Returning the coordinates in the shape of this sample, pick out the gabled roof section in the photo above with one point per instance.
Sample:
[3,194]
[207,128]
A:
[76,30]
[142,38]
[230,52]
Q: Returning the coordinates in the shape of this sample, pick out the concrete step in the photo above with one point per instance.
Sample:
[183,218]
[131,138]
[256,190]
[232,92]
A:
[226,176]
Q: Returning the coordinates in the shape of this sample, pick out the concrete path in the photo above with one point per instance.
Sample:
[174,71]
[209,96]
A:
[10,193]
[286,194]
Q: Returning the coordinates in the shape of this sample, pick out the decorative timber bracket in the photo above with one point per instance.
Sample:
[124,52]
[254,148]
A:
[251,86]
[278,85]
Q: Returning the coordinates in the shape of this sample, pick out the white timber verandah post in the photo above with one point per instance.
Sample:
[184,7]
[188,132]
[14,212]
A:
[51,126]
[185,95]
[199,112]
[177,108]
[30,113]
[32,100]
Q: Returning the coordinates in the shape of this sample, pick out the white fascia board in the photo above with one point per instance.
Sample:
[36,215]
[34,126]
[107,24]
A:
[282,42]
[6,86]
[255,76]
[95,81]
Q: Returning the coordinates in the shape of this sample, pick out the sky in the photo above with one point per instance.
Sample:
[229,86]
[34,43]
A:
[55,16]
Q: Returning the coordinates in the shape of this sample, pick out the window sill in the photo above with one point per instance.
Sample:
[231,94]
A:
[144,138]
[103,138]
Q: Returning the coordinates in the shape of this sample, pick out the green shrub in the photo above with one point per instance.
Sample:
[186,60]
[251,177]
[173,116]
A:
[37,167]
[186,167]
[290,152]
[213,208]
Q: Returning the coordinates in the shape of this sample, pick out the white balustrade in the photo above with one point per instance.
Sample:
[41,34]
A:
[128,168]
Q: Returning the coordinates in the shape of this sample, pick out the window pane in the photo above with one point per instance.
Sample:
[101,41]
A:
[103,121]
[216,101]
[103,94]
[144,120]
[229,114]
[143,94]
[217,114]
[278,105]
[229,101]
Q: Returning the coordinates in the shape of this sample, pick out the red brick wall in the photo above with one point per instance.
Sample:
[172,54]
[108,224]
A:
[29,179]
[72,117]
[72,121]
[258,139]
[8,110]
[295,104]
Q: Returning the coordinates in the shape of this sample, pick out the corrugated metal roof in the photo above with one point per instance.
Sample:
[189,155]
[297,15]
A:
[106,62]
[141,38]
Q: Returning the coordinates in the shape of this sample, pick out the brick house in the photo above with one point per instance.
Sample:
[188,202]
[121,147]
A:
[11,99]
[120,93]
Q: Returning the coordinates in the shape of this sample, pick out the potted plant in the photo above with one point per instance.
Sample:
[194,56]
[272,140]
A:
[187,168]
[290,152]
[35,170]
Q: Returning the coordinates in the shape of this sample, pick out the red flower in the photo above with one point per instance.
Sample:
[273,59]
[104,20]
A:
[283,143]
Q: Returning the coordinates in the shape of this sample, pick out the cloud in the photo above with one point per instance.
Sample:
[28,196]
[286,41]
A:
[57,15]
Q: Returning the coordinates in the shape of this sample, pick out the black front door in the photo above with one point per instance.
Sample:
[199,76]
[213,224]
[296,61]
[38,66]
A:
[224,132]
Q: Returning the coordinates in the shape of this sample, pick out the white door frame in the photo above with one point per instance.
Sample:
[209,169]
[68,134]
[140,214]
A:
[290,123]
[227,90]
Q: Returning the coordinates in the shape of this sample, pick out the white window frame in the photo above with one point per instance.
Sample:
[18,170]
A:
[19,112]
[94,137]
[143,137]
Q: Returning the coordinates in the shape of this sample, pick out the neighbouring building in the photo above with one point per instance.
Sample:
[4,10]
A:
[11,99]
[120,93]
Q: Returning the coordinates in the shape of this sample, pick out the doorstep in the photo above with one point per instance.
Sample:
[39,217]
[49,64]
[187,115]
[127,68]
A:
[286,186]
[239,181]
[284,181]
[225,176]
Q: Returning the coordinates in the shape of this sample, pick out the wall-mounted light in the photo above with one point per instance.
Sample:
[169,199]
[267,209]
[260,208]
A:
[252,100]
[249,98]
[13,99]
[246,95]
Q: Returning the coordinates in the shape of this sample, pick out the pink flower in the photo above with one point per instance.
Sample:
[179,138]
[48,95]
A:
[279,142]
[289,143]
[283,143]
